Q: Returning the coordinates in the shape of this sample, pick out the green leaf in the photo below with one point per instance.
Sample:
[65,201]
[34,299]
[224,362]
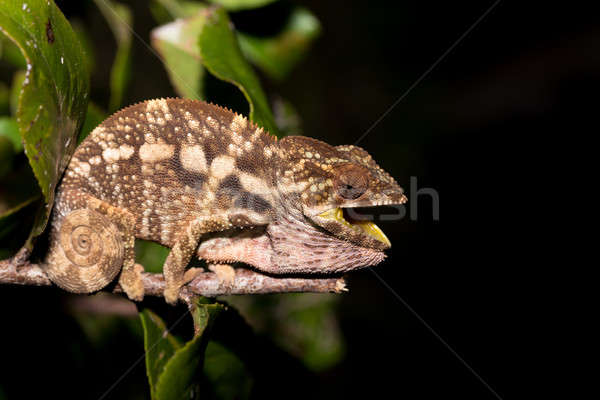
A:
[227,374]
[236,5]
[10,129]
[177,43]
[222,56]
[12,54]
[120,20]
[54,94]
[175,370]
[151,255]
[159,346]
[182,374]
[277,55]
[15,90]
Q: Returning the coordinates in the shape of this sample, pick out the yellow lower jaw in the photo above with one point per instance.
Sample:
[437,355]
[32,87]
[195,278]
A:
[366,226]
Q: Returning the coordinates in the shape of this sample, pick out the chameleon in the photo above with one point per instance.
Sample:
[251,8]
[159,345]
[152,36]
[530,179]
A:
[207,182]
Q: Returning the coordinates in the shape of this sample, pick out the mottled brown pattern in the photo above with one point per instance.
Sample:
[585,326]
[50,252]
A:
[183,173]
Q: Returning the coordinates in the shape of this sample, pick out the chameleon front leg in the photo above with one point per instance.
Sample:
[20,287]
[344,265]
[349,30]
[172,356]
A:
[182,251]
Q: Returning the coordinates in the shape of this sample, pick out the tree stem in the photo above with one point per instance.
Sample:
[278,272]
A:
[207,284]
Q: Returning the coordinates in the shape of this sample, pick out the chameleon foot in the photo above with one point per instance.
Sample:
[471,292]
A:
[132,283]
[225,273]
[191,274]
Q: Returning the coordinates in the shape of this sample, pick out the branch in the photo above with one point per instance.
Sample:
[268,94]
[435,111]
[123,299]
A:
[207,284]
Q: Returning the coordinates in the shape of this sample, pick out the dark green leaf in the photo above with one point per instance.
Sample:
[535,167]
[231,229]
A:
[222,56]
[227,374]
[54,94]
[151,255]
[159,346]
[277,55]
[9,129]
[236,5]
[183,372]
[119,20]
[177,43]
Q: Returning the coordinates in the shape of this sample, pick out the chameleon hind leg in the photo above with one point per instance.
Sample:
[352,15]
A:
[131,273]
[92,242]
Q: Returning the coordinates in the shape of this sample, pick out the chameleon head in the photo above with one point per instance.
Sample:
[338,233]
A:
[330,180]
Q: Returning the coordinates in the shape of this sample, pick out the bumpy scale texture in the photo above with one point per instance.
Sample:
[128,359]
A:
[205,181]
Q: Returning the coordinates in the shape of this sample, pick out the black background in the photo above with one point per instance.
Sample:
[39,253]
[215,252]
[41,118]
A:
[478,129]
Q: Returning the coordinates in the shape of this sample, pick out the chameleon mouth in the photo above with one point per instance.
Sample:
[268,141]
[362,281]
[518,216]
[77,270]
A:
[367,228]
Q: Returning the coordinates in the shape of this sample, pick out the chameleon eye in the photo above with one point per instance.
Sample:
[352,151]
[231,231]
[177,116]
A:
[351,183]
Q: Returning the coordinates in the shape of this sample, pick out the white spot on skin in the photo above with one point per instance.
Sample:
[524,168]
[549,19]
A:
[156,152]
[192,123]
[95,160]
[126,151]
[253,184]
[83,168]
[111,155]
[193,159]
[222,166]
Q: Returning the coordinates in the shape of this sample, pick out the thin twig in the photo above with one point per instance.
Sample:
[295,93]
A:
[206,284]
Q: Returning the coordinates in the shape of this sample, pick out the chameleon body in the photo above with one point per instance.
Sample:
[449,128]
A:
[205,181]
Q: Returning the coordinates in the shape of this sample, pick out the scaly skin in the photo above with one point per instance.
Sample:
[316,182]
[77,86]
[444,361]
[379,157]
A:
[203,180]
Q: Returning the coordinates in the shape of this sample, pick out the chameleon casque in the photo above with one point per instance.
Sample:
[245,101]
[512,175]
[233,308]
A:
[204,181]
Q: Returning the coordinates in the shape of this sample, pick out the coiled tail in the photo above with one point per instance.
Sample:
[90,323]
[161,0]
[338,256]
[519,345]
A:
[86,252]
